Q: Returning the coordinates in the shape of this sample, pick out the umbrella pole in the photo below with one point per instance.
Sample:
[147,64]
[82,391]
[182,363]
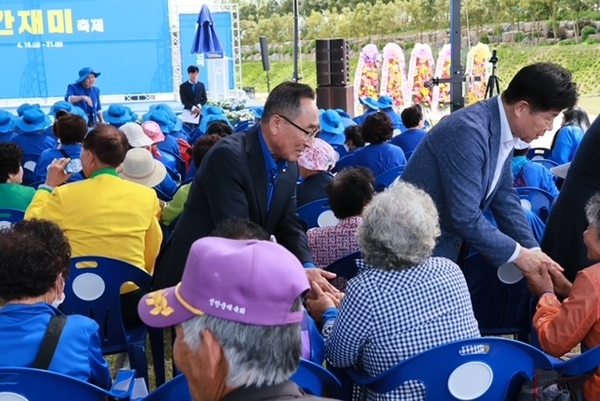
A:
[268,82]
[295,77]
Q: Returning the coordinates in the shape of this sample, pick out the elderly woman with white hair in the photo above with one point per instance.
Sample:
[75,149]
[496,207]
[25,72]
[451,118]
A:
[402,301]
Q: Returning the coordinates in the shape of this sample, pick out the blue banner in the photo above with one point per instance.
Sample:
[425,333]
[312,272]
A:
[45,43]
[187,31]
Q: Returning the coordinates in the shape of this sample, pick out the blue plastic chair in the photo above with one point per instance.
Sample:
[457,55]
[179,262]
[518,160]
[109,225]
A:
[317,214]
[162,196]
[340,150]
[450,372]
[243,126]
[345,267]
[312,378]
[10,216]
[35,384]
[537,200]
[543,153]
[584,363]
[546,163]
[501,300]
[315,379]
[93,290]
[386,179]
[176,389]
[29,162]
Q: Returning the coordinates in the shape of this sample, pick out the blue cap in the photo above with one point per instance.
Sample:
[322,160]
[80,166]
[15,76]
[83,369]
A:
[385,102]
[176,123]
[342,113]
[7,122]
[211,110]
[331,122]
[33,120]
[369,102]
[162,119]
[85,72]
[60,105]
[347,122]
[117,114]
[211,118]
[26,106]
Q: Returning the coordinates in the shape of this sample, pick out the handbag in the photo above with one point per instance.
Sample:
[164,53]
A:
[550,385]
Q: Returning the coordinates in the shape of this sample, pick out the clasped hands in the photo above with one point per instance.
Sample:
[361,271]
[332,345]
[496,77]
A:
[542,273]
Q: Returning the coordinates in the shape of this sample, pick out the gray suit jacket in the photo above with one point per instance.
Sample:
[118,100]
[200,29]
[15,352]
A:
[455,165]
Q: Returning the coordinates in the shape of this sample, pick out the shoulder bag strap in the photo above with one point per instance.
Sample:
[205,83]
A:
[49,343]
[64,153]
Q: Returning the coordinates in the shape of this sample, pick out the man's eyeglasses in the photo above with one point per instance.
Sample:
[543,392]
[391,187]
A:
[310,134]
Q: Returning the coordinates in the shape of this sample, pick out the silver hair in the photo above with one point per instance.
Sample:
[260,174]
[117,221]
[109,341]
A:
[256,355]
[399,228]
[592,211]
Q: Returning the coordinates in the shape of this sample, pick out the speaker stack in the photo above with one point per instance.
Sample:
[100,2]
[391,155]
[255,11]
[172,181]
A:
[333,75]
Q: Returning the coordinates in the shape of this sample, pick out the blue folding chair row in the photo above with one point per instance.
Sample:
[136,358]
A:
[384,180]
[10,216]
[93,290]
[317,214]
[537,200]
[312,378]
[18,384]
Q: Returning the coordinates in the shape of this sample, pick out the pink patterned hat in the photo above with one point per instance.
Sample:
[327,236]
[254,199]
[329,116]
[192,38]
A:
[319,157]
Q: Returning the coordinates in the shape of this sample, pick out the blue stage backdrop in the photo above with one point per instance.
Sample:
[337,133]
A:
[187,32]
[43,44]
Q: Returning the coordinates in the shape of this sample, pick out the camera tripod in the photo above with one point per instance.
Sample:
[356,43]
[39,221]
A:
[493,83]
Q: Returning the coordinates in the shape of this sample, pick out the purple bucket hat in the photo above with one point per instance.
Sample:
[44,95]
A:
[245,281]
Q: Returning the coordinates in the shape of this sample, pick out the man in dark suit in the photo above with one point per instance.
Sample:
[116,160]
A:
[464,164]
[252,175]
[192,92]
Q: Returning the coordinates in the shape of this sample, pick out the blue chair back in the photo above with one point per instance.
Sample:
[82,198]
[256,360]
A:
[29,162]
[537,200]
[315,379]
[543,153]
[340,150]
[584,363]
[317,214]
[10,216]
[176,389]
[94,290]
[501,300]
[161,195]
[35,384]
[243,126]
[345,267]
[486,369]
[312,378]
[384,180]
[546,163]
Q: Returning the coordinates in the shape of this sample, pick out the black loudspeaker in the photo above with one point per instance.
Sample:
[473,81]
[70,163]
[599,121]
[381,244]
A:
[264,53]
[336,97]
[333,67]
[323,62]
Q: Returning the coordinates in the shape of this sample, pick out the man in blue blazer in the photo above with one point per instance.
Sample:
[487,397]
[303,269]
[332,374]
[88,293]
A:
[251,175]
[464,163]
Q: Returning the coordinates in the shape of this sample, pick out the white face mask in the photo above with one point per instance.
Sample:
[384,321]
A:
[56,303]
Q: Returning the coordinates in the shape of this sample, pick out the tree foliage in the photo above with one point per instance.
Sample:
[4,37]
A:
[321,19]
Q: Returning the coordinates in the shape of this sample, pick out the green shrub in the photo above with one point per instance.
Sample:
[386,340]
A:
[592,41]
[567,42]
[519,37]
[587,31]
[485,39]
